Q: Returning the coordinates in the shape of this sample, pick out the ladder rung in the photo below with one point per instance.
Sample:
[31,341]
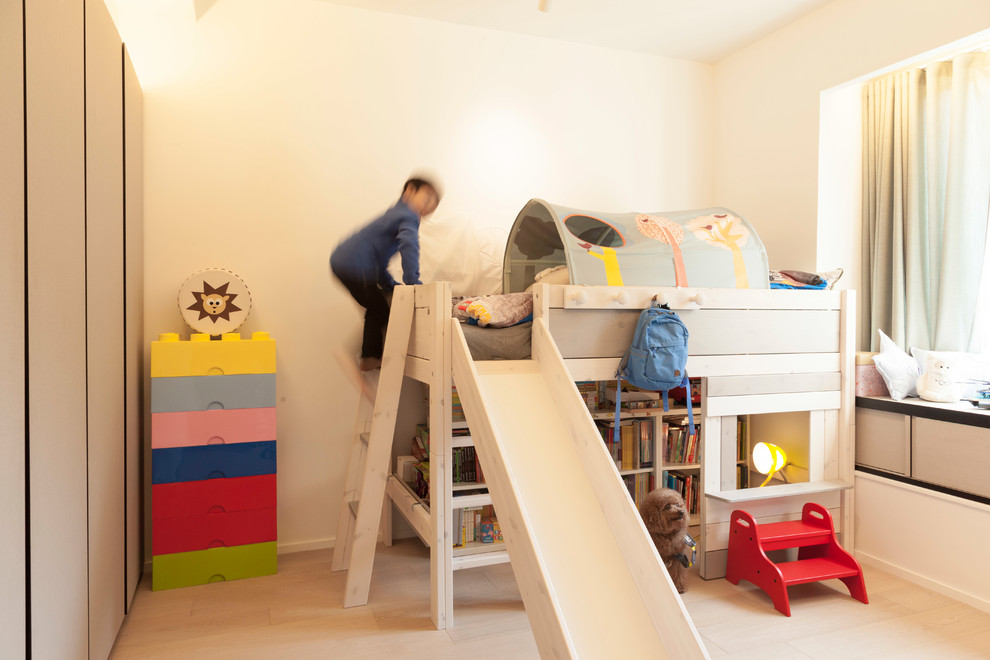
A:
[365,438]
[353,506]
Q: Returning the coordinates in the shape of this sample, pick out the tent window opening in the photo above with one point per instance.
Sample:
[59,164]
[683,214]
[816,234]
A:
[594,231]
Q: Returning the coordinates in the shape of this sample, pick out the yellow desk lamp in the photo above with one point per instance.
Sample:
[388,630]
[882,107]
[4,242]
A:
[768,459]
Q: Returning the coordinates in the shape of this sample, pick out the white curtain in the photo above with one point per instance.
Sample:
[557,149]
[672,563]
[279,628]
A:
[926,195]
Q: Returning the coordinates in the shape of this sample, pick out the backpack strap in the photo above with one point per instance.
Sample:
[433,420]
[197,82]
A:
[618,399]
[687,386]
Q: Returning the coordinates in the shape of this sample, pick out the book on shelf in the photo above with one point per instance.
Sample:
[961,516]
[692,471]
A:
[480,476]
[691,453]
[588,389]
[742,476]
[741,439]
[634,399]
[419,449]
[456,411]
[491,531]
[473,525]
[634,448]
[465,465]
[422,439]
[688,484]
[627,454]
[422,484]
[639,485]
[681,443]
[644,432]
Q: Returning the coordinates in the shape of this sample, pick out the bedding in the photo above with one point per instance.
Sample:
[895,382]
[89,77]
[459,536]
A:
[796,279]
[511,343]
[496,327]
[495,311]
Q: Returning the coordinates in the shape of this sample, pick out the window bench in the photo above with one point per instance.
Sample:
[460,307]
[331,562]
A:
[940,446]
[922,494]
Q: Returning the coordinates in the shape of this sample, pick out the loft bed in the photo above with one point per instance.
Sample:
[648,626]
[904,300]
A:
[757,351]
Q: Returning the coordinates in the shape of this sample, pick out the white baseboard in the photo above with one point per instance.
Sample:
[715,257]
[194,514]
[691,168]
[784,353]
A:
[922,581]
[303,546]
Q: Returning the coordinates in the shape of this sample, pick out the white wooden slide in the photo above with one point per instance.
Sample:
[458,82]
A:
[590,577]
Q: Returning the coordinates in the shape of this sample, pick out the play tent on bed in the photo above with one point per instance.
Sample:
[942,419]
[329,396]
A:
[711,247]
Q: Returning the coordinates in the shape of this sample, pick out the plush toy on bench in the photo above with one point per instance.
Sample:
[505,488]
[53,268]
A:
[935,384]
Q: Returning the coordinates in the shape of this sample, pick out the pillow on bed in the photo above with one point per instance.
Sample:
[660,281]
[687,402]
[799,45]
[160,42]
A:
[499,311]
[555,275]
[899,370]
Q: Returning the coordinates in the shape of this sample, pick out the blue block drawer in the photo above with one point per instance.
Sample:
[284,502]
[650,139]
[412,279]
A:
[242,459]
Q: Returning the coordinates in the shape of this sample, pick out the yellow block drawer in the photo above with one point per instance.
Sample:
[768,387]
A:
[199,356]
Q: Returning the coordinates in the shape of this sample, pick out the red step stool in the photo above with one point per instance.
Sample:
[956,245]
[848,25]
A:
[820,557]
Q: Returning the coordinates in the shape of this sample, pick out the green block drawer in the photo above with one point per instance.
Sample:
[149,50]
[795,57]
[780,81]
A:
[185,569]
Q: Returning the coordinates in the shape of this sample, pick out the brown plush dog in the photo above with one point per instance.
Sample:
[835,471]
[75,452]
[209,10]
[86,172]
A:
[666,519]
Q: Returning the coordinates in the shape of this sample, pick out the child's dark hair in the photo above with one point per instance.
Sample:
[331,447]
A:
[416,183]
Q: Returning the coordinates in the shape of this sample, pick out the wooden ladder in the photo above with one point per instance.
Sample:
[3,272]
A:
[820,557]
[368,464]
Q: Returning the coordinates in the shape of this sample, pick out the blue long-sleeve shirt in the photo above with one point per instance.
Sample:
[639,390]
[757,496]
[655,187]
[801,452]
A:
[365,254]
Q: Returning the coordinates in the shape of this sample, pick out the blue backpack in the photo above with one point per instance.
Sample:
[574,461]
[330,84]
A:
[657,357]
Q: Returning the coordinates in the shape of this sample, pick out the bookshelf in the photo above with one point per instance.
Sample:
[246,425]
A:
[475,534]
[634,450]
[681,452]
[675,460]
[639,450]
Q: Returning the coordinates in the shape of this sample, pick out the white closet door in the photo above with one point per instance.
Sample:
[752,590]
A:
[12,549]
[56,354]
[105,326]
[134,317]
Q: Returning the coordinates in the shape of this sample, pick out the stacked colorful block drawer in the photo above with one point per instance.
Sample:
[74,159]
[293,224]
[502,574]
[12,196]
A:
[213,492]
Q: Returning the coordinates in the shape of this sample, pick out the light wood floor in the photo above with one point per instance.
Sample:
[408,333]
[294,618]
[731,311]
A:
[298,614]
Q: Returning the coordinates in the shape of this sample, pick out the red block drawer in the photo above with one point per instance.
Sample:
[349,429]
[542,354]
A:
[192,498]
[218,529]
[209,427]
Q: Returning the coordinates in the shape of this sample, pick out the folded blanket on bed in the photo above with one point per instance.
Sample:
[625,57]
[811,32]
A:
[497,311]
[795,279]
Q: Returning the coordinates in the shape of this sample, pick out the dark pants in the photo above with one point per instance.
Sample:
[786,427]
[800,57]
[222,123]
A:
[370,296]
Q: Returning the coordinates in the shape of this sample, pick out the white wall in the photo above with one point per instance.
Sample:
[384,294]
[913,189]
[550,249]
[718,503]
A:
[272,130]
[767,108]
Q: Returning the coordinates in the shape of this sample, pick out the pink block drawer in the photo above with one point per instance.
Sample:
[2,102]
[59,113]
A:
[218,529]
[192,498]
[210,427]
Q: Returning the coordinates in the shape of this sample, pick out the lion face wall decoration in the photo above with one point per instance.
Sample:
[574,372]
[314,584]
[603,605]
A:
[214,301]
